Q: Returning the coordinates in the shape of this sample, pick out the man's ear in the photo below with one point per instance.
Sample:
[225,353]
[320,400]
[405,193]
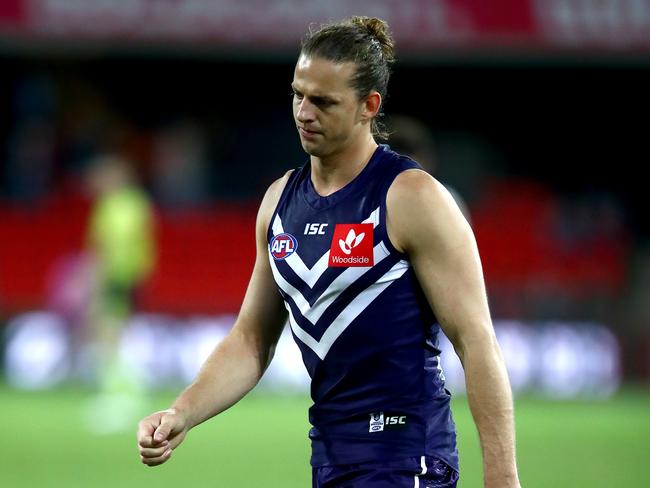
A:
[371,106]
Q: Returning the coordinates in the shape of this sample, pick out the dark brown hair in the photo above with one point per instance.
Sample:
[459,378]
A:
[365,41]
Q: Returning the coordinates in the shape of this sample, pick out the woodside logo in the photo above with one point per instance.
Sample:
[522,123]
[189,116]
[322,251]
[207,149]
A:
[352,245]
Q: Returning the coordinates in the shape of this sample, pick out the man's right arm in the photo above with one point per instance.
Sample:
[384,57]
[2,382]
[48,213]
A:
[236,364]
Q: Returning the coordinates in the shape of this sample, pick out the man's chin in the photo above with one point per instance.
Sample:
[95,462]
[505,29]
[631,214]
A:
[312,149]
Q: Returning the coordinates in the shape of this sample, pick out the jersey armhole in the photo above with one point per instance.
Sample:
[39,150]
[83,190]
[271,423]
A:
[292,174]
[384,209]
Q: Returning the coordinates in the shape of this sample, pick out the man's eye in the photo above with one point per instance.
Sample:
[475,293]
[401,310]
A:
[296,95]
[323,103]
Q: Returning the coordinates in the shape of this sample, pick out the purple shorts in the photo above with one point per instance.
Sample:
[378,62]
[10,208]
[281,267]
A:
[415,472]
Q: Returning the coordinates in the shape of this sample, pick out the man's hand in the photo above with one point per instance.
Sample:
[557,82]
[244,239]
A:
[237,362]
[159,434]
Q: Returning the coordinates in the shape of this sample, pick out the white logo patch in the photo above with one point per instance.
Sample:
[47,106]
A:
[376,422]
[351,241]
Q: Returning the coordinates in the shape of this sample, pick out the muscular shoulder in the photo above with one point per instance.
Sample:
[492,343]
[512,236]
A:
[421,211]
[271,199]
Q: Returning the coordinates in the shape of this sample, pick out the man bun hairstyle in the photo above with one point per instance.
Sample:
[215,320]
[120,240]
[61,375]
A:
[365,41]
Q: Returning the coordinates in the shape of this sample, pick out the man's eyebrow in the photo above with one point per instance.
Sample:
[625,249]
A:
[316,96]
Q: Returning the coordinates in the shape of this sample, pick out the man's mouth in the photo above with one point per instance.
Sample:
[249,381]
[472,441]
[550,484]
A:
[307,133]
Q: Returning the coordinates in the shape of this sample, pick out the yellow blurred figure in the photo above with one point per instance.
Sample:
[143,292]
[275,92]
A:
[121,242]
[120,236]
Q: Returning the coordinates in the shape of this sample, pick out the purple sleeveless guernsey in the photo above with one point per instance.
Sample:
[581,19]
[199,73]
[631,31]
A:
[367,335]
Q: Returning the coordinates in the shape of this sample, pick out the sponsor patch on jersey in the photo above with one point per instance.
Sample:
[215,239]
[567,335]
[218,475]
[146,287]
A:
[380,421]
[282,246]
[376,422]
[352,245]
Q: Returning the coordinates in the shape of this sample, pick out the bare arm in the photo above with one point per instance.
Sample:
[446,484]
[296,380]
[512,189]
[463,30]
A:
[424,222]
[236,364]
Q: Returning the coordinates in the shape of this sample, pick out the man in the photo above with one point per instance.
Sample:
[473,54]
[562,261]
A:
[411,137]
[371,257]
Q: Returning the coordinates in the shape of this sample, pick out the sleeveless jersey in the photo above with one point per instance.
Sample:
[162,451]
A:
[366,332]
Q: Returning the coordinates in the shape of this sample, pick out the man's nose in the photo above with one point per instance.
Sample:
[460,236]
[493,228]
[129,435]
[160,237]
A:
[305,112]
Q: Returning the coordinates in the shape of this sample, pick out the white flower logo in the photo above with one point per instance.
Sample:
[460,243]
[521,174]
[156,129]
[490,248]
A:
[351,241]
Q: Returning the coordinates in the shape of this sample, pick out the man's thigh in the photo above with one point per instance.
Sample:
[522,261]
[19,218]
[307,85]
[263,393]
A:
[416,472]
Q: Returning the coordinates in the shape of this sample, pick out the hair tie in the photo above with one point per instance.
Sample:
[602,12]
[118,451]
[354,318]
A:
[377,44]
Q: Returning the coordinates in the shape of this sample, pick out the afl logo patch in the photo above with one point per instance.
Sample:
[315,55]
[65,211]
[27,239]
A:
[282,246]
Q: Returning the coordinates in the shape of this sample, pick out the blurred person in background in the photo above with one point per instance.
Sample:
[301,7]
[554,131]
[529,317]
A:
[181,175]
[121,244]
[366,318]
[411,137]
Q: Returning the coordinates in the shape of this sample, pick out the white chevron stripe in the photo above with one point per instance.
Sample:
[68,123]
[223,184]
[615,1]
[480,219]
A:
[340,284]
[312,275]
[289,289]
[348,314]
[300,333]
[372,218]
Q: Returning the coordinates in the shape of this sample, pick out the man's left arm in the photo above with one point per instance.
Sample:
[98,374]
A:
[426,224]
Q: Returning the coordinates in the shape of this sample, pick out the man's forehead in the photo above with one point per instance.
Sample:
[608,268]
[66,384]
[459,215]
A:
[321,76]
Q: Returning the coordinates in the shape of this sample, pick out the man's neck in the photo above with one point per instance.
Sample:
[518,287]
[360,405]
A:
[331,173]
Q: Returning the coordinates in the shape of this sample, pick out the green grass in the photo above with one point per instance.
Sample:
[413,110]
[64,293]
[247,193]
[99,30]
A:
[262,442]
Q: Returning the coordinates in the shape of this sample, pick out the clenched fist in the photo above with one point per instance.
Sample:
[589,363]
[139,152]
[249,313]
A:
[159,434]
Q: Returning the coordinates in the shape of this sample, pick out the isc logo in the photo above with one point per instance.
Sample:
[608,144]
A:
[396,420]
[378,421]
[315,229]
[282,246]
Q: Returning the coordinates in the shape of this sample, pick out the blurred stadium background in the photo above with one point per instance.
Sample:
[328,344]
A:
[533,111]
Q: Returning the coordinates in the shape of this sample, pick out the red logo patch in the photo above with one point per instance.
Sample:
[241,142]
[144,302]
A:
[352,245]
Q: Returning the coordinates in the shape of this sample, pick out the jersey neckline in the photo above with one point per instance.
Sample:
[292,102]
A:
[320,202]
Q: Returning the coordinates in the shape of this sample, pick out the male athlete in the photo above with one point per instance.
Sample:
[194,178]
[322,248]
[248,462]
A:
[371,257]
